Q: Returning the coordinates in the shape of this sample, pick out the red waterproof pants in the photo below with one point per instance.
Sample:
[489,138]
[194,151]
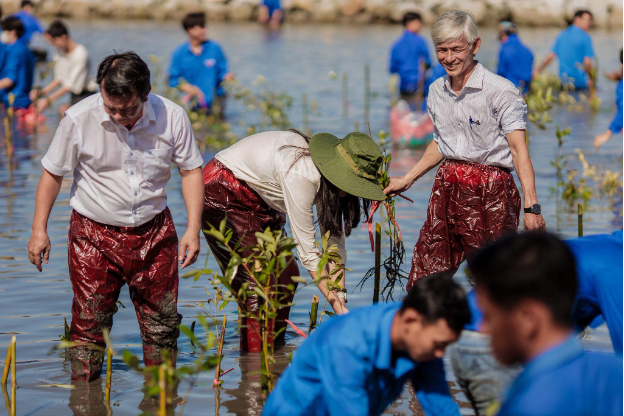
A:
[102,258]
[247,213]
[470,205]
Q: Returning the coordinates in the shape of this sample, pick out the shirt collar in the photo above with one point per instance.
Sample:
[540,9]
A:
[547,362]
[475,81]
[384,360]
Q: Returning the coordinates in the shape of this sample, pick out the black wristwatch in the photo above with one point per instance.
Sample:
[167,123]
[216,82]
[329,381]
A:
[533,209]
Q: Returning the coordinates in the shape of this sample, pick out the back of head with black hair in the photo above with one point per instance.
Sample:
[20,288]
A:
[537,266]
[580,13]
[437,296]
[409,16]
[26,3]
[57,29]
[194,19]
[124,75]
[13,23]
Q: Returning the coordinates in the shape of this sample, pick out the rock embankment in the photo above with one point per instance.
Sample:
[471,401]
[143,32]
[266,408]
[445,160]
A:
[607,13]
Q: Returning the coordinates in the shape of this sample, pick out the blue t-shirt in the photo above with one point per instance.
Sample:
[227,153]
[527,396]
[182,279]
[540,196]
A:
[408,54]
[18,64]
[31,25]
[205,70]
[515,62]
[599,269]
[272,5]
[572,46]
[616,124]
[347,367]
[566,380]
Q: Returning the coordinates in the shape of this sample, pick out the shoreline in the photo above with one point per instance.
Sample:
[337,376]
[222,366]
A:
[532,13]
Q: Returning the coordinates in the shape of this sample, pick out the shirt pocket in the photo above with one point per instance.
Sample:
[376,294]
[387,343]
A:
[157,165]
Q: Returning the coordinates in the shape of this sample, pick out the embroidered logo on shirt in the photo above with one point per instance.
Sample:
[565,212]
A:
[209,63]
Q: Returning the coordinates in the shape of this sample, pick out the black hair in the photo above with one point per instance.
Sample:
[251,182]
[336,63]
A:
[437,296]
[57,29]
[194,19]
[409,16]
[580,13]
[125,74]
[26,3]
[530,265]
[13,23]
[0,12]
[335,214]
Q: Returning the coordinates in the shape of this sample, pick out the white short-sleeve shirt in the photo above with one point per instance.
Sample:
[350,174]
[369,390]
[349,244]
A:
[471,126]
[120,174]
[72,69]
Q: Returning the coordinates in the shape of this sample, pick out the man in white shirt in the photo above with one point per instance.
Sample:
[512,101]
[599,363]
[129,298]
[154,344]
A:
[71,69]
[480,125]
[120,145]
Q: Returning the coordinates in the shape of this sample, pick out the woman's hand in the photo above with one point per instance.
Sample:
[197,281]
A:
[397,185]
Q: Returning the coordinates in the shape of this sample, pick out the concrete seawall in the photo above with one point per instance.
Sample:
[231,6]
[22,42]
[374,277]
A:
[607,13]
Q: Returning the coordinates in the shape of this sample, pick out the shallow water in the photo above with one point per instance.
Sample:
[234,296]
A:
[297,60]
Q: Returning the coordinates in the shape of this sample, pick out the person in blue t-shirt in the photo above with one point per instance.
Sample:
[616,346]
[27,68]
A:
[32,25]
[358,363]
[271,12]
[616,124]
[575,51]
[410,59]
[526,287]
[515,60]
[18,65]
[198,66]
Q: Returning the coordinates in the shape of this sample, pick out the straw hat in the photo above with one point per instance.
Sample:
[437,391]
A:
[351,164]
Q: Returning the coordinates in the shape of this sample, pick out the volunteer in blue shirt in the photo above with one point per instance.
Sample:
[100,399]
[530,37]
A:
[410,58]
[31,23]
[575,51]
[198,66]
[18,64]
[600,270]
[358,363]
[515,60]
[526,288]
[616,124]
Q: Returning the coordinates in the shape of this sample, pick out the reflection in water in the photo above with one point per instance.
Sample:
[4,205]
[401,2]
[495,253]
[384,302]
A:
[88,398]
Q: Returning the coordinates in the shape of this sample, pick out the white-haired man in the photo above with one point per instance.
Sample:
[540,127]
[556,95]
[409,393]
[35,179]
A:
[480,123]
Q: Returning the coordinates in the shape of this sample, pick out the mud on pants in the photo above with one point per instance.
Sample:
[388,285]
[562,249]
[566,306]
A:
[102,258]
[247,213]
[471,205]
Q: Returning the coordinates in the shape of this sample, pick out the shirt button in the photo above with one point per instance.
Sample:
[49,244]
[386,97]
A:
[149,153]
[136,193]
[132,173]
[134,211]
[131,153]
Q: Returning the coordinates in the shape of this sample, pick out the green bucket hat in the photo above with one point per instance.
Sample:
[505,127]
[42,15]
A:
[351,164]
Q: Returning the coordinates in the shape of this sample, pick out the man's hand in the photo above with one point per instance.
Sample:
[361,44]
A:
[42,104]
[230,76]
[397,185]
[38,245]
[602,138]
[189,249]
[34,94]
[534,222]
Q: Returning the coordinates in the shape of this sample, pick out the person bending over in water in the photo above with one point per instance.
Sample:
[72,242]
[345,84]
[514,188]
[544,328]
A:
[264,178]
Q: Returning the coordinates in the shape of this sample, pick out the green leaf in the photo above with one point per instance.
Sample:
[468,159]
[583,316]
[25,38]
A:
[131,360]
[330,314]
[187,331]
[298,279]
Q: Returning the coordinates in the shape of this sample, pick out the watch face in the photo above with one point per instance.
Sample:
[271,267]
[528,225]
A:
[537,209]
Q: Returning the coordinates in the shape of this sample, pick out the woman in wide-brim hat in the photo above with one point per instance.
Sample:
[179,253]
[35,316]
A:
[264,178]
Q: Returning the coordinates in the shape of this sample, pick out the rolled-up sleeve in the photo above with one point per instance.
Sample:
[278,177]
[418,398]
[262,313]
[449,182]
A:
[64,151]
[186,154]
[436,134]
[512,110]
[299,193]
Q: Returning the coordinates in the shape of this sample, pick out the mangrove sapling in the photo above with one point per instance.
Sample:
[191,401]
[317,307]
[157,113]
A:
[392,264]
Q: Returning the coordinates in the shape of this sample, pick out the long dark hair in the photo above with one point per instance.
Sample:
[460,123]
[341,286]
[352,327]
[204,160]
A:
[335,214]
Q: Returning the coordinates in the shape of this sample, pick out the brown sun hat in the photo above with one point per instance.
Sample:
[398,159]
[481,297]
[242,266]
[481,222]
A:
[350,164]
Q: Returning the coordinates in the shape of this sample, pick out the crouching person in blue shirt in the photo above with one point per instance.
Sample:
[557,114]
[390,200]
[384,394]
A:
[18,65]
[515,60]
[198,66]
[526,287]
[358,363]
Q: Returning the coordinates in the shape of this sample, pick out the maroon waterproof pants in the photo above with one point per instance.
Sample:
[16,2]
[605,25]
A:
[470,205]
[247,213]
[102,258]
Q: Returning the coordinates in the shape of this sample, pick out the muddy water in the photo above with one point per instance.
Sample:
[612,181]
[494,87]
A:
[33,304]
